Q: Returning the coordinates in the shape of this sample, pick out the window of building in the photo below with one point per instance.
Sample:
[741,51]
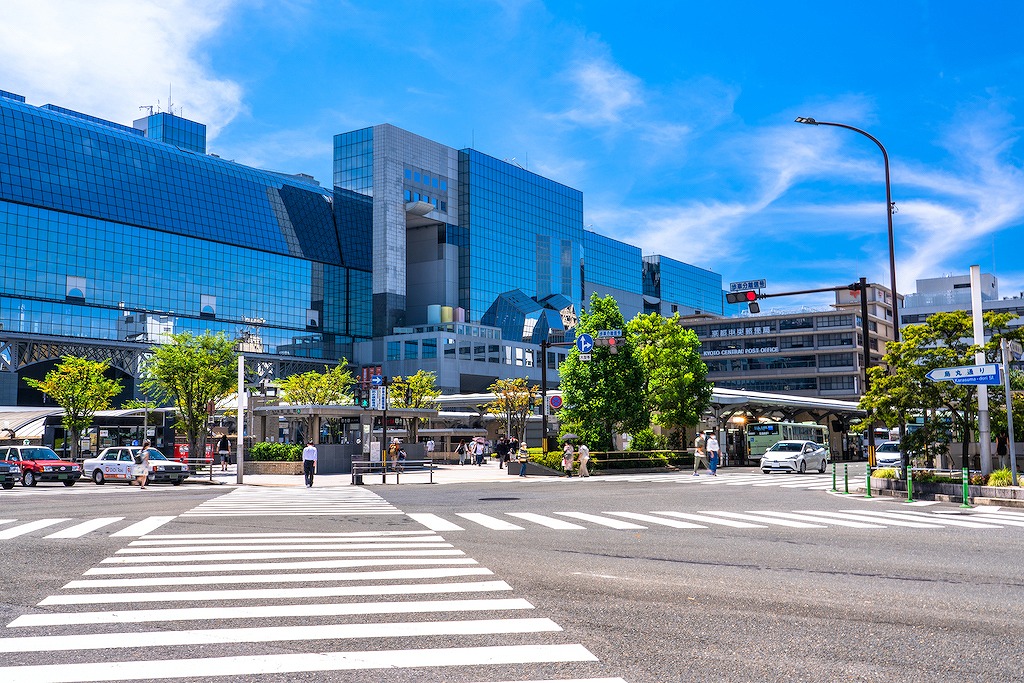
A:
[412,349]
[838,383]
[801,323]
[394,350]
[835,321]
[800,341]
[835,360]
[429,348]
[835,339]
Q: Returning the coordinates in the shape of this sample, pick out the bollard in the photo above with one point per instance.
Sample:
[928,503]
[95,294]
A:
[868,494]
[846,478]
[966,477]
[910,485]
[834,489]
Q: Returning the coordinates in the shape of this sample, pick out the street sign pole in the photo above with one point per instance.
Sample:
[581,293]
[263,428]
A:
[984,428]
[1004,347]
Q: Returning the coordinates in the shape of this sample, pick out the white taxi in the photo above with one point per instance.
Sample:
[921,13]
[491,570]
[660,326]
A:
[115,464]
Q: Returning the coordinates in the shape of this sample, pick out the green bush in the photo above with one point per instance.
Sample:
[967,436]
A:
[1001,477]
[929,477]
[885,473]
[647,440]
[282,452]
[979,479]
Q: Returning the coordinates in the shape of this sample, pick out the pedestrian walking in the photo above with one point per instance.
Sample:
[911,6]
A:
[393,450]
[713,452]
[1002,449]
[223,450]
[309,463]
[567,458]
[462,451]
[584,455]
[501,450]
[140,468]
[478,451]
[524,457]
[698,454]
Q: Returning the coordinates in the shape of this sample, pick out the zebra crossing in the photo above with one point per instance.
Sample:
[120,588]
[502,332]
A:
[981,518]
[426,604]
[79,529]
[261,501]
[809,481]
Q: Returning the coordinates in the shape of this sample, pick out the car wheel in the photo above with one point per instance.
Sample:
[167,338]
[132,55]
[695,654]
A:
[28,479]
[97,477]
[70,482]
[176,482]
[766,471]
[8,484]
[803,467]
[824,464]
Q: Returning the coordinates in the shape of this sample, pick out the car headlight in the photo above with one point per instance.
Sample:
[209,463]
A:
[47,468]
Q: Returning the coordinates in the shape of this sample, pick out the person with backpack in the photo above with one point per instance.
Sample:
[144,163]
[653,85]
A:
[462,452]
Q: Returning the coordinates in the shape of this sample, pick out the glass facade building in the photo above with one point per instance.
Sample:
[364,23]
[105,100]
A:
[612,268]
[104,227]
[672,286]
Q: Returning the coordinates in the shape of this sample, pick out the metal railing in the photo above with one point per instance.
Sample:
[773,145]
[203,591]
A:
[397,468]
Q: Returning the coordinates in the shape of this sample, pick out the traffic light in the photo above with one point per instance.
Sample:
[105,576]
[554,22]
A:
[748,297]
[362,396]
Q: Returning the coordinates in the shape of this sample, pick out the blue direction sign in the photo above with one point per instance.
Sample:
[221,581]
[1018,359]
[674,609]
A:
[377,380]
[967,374]
[585,343]
[609,333]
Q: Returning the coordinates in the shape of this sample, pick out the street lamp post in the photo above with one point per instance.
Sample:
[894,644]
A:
[888,211]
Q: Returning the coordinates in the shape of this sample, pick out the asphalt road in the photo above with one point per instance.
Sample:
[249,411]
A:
[925,594]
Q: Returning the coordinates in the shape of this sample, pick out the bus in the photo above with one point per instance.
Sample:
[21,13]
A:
[761,435]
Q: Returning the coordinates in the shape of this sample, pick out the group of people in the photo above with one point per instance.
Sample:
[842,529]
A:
[569,455]
[706,452]
[471,453]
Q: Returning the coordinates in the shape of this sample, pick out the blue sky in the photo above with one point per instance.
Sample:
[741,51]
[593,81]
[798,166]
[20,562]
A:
[675,119]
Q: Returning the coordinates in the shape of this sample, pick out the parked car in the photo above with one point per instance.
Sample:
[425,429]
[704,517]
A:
[887,454]
[39,463]
[9,474]
[794,456]
[115,464]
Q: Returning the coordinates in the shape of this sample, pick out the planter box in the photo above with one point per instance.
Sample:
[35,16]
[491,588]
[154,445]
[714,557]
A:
[952,490]
[272,467]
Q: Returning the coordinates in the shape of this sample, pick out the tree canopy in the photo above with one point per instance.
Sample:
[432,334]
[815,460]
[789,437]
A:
[80,387]
[192,372]
[514,400]
[414,391]
[604,395]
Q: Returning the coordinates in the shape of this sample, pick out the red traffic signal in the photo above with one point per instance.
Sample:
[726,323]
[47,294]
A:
[741,297]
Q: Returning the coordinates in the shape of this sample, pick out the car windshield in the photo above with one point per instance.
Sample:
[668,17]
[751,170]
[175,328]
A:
[888,448]
[38,454]
[786,447]
[156,455]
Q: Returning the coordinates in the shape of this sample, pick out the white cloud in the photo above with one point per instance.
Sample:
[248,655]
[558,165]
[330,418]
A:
[108,57]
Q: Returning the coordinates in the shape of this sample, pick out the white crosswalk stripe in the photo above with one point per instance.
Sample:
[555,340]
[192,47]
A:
[707,519]
[96,525]
[811,481]
[361,606]
[295,501]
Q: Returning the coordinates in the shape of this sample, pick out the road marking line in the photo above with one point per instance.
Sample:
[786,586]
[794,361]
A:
[144,527]
[274,566]
[712,520]
[565,680]
[295,663]
[943,519]
[489,522]
[82,529]
[278,556]
[543,520]
[266,612]
[29,527]
[276,593]
[674,523]
[234,579]
[755,518]
[297,537]
[275,546]
[814,518]
[434,522]
[866,516]
[266,634]
[603,521]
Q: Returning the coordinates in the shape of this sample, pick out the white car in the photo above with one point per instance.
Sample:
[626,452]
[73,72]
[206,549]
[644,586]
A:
[887,454]
[115,464]
[794,456]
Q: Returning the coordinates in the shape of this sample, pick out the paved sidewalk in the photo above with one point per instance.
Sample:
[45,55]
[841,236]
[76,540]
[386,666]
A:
[443,474]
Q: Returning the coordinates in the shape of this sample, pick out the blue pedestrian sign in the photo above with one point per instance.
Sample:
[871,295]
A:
[967,374]
[585,343]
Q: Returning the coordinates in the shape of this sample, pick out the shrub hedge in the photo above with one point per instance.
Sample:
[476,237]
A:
[1001,477]
[281,452]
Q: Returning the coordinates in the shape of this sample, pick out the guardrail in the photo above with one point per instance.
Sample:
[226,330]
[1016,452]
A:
[398,468]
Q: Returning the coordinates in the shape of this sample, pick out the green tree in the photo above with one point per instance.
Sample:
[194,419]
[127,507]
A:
[513,402]
[604,395]
[901,388]
[415,391]
[80,387]
[191,373]
[331,387]
[675,382]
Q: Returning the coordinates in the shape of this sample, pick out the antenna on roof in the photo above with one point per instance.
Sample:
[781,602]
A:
[149,107]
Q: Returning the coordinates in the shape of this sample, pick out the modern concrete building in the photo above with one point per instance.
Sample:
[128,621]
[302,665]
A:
[952,293]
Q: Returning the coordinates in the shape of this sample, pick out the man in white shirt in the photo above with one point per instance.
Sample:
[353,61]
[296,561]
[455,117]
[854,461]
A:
[309,463]
[712,446]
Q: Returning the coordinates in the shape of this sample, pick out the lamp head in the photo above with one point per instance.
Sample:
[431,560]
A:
[806,119]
